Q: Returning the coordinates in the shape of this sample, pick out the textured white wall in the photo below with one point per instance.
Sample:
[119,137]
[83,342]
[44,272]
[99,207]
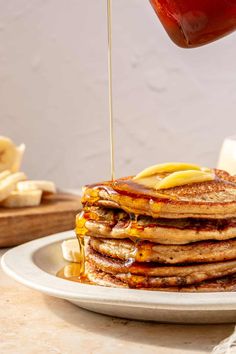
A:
[170,103]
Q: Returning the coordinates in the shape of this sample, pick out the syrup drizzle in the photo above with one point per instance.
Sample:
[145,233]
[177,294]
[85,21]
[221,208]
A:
[111,119]
[76,271]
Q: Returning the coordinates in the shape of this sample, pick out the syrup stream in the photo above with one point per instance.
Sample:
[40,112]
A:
[77,271]
[111,120]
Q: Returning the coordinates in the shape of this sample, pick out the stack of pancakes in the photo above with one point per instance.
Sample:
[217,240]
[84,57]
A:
[178,239]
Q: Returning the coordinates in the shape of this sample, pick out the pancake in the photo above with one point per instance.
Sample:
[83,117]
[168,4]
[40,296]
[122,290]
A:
[139,274]
[217,285]
[176,239]
[114,223]
[145,251]
[209,200]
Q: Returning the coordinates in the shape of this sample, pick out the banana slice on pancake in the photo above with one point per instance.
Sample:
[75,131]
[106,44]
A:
[176,179]
[181,178]
[167,168]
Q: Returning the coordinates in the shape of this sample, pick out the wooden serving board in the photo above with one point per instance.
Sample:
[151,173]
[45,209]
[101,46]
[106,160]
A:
[55,214]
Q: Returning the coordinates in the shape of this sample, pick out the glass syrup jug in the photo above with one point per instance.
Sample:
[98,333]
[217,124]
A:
[192,23]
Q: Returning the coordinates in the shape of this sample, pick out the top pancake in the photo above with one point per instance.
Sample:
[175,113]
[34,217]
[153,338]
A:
[210,200]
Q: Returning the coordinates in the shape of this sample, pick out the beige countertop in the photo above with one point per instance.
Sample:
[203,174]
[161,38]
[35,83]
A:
[33,323]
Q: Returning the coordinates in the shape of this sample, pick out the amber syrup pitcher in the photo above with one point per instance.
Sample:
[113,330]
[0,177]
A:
[192,23]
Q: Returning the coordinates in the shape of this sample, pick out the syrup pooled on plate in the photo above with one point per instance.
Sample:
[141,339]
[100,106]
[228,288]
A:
[192,23]
[75,271]
[71,271]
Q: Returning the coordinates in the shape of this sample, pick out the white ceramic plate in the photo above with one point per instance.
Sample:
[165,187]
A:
[35,264]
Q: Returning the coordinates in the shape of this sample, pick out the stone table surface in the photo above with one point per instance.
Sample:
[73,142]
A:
[33,323]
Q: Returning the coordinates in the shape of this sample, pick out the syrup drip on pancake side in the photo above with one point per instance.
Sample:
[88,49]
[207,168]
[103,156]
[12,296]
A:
[77,271]
[134,228]
[81,232]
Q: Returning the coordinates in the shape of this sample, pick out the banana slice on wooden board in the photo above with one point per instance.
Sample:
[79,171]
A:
[18,158]
[45,186]
[7,153]
[4,174]
[20,199]
[15,191]
[71,250]
[8,184]
[10,155]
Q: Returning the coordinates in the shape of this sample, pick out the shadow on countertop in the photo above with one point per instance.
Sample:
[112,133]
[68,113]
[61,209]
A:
[195,338]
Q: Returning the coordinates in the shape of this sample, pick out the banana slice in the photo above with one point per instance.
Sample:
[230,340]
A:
[175,179]
[72,270]
[18,158]
[150,182]
[71,250]
[4,174]
[184,177]
[8,153]
[8,184]
[22,199]
[165,168]
[45,186]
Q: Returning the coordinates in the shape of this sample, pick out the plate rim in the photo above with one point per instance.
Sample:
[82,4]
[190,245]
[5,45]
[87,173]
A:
[36,278]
